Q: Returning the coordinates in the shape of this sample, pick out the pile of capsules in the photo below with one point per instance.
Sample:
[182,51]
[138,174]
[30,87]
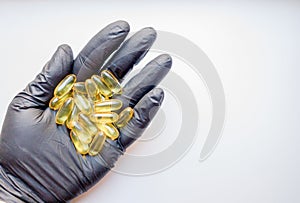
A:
[86,108]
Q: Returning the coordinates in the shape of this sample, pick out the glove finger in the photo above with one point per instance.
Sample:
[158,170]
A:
[145,80]
[144,112]
[131,52]
[40,90]
[98,49]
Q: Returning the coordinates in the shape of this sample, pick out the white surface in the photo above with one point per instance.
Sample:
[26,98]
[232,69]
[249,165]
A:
[255,49]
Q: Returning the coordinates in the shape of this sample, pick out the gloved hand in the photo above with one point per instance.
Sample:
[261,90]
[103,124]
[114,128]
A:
[38,162]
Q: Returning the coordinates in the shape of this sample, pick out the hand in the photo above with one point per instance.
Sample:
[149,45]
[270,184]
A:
[38,162]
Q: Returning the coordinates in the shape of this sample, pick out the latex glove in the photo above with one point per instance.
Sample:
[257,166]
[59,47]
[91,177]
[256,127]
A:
[38,162]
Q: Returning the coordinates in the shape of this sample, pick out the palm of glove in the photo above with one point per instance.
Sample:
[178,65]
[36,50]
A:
[37,158]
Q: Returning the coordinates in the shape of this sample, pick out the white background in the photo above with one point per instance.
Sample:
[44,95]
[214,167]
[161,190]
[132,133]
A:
[255,49]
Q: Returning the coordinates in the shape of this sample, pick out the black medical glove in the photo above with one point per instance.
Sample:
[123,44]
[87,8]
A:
[38,162]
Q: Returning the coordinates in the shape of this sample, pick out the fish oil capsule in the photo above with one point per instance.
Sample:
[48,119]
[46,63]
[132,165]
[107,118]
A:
[108,117]
[109,130]
[81,147]
[97,143]
[108,105]
[104,90]
[65,85]
[87,123]
[111,81]
[124,117]
[82,103]
[80,87]
[64,111]
[91,89]
[82,133]
[56,102]
[73,117]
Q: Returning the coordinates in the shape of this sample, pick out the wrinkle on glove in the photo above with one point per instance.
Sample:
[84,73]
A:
[133,50]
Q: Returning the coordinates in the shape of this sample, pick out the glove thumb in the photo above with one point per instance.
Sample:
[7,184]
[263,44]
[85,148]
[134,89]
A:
[40,90]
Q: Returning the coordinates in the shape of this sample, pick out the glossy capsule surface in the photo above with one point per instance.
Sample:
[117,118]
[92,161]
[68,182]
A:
[97,143]
[109,130]
[56,102]
[110,81]
[65,85]
[64,111]
[88,110]
[87,124]
[73,117]
[81,147]
[108,117]
[91,88]
[108,105]
[104,90]
[82,103]
[80,87]
[124,117]
[82,133]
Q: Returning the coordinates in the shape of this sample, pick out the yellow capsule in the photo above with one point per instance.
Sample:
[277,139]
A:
[82,133]
[91,89]
[108,105]
[82,103]
[124,117]
[56,102]
[73,117]
[64,111]
[111,82]
[65,85]
[108,117]
[97,143]
[87,124]
[81,147]
[104,90]
[109,130]
[80,87]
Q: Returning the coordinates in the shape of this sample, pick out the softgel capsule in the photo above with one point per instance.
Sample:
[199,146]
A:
[87,109]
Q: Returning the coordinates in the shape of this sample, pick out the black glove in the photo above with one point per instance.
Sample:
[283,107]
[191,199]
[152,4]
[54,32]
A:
[38,162]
